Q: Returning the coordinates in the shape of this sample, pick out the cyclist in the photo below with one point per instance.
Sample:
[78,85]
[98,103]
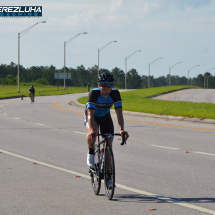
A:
[32,91]
[88,87]
[97,112]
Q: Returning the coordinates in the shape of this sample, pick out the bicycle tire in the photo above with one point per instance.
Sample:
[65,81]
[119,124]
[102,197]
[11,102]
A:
[109,172]
[95,173]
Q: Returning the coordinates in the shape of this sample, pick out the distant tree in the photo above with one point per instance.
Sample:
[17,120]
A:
[144,81]
[119,77]
[160,81]
[93,72]
[83,76]
[133,79]
[9,80]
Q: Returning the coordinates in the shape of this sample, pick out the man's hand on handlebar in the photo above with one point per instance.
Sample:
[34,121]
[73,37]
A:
[125,136]
[92,137]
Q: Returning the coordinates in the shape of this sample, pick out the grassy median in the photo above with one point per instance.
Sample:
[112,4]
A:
[139,101]
[9,91]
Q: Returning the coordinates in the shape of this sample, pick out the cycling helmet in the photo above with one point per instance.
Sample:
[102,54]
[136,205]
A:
[106,77]
[32,86]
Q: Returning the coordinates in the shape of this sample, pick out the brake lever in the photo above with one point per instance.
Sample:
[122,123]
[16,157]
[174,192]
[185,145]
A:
[93,136]
[123,139]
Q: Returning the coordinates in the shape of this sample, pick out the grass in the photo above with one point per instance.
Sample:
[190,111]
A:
[10,91]
[139,101]
[136,101]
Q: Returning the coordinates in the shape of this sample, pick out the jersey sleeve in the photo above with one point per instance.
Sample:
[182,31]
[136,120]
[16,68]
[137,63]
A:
[92,98]
[116,99]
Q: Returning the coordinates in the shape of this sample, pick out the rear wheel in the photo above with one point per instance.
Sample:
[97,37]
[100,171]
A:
[109,173]
[95,173]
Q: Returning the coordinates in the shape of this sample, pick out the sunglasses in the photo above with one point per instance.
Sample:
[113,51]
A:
[106,85]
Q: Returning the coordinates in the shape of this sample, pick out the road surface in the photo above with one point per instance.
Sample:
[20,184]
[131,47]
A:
[166,166]
[190,95]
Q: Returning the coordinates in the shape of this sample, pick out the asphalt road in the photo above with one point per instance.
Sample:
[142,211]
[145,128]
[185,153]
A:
[166,165]
[190,95]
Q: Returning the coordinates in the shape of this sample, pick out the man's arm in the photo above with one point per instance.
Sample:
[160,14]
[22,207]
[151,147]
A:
[120,119]
[91,122]
[121,122]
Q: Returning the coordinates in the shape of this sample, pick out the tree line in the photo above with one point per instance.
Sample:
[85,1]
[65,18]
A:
[81,76]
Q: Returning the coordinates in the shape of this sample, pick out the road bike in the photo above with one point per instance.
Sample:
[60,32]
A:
[32,98]
[104,165]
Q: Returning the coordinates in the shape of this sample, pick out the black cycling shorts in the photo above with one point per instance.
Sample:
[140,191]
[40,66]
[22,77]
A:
[105,123]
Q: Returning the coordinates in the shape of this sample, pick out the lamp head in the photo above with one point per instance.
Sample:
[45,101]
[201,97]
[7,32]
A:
[43,22]
[84,33]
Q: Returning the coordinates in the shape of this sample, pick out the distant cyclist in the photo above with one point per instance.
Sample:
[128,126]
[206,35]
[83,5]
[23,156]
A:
[97,112]
[32,92]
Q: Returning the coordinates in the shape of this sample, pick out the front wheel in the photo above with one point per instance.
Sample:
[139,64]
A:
[109,173]
[95,173]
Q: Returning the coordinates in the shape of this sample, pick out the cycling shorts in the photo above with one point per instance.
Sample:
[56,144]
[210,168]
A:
[105,123]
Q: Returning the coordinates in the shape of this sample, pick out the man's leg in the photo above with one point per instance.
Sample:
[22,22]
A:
[90,155]
[88,135]
[108,158]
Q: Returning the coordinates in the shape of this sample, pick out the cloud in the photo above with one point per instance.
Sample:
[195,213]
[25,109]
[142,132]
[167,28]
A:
[115,5]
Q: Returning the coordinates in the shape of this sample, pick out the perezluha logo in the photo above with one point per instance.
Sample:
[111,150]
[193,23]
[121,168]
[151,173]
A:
[21,11]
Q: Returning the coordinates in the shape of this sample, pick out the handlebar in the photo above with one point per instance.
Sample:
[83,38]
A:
[109,135]
[123,139]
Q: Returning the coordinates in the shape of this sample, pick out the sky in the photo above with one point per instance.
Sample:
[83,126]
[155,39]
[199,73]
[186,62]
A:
[176,31]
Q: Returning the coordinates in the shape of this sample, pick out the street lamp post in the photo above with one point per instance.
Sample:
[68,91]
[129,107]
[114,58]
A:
[101,50]
[188,74]
[170,72]
[126,66]
[149,71]
[20,35]
[65,43]
[204,77]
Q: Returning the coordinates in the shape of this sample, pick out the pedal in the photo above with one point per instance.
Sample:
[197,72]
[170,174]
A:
[90,173]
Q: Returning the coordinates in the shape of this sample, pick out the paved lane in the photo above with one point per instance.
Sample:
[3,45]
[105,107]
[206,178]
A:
[153,161]
[190,95]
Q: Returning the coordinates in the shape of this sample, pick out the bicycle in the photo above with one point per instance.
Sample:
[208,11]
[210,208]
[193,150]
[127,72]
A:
[32,98]
[104,166]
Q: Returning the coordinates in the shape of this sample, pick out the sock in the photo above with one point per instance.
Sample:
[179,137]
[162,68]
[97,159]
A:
[91,151]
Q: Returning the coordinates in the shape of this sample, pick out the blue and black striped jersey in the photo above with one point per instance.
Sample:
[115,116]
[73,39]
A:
[103,105]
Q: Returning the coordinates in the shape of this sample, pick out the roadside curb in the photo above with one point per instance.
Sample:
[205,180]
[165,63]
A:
[166,117]
[172,91]
[15,97]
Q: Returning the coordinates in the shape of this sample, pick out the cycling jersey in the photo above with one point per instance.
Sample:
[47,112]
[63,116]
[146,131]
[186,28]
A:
[103,105]
[32,90]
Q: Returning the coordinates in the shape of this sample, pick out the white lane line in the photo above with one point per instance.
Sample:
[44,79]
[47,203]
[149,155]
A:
[44,164]
[39,124]
[80,132]
[5,114]
[205,210]
[164,147]
[16,118]
[204,153]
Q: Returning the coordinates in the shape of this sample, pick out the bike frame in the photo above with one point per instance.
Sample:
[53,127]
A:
[100,172]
